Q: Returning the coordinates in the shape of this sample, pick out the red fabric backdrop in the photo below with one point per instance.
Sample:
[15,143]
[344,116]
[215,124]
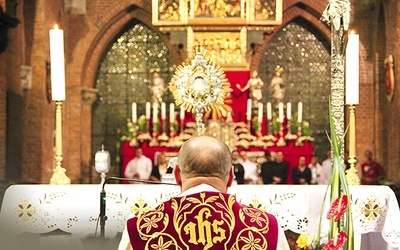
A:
[239,107]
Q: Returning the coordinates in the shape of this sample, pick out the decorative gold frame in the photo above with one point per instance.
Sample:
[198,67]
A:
[226,48]
[212,15]
[219,13]
[273,8]
[169,13]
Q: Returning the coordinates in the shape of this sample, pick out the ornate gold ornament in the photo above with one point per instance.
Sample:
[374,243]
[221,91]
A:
[389,77]
[199,85]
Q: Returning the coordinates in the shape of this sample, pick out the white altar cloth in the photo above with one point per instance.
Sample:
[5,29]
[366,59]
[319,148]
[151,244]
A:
[75,208]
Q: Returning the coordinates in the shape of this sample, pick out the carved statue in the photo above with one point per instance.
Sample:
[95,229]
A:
[278,85]
[158,88]
[255,85]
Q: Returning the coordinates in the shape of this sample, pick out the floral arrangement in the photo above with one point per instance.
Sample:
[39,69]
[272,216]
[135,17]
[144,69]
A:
[129,131]
[341,232]
[275,124]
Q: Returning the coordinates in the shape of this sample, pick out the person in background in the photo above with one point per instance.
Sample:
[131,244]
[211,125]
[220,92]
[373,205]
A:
[250,169]
[282,170]
[139,167]
[204,216]
[268,169]
[301,174]
[160,169]
[237,167]
[326,170]
[372,172]
[316,169]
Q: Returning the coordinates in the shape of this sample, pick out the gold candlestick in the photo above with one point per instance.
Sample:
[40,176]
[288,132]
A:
[59,176]
[352,173]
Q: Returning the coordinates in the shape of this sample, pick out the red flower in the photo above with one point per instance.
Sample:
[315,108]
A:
[336,242]
[338,208]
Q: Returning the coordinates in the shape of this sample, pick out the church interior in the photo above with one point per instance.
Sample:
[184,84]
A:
[121,62]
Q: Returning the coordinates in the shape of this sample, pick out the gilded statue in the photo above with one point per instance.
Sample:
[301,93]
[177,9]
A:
[158,89]
[254,84]
[278,85]
[216,8]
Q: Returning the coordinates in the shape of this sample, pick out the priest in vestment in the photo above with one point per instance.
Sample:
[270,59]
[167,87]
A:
[204,216]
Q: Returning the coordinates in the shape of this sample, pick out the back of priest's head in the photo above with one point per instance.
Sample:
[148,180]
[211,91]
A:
[205,156]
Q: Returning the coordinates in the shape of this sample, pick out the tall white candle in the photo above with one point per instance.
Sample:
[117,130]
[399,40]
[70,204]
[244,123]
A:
[280,105]
[260,112]
[269,111]
[155,112]
[134,112]
[147,110]
[163,111]
[182,114]
[57,64]
[352,69]
[300,112]
[171,112]
[289,110]
[248,113]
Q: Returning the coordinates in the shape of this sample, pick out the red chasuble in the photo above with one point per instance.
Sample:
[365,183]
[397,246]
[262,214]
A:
[206,220]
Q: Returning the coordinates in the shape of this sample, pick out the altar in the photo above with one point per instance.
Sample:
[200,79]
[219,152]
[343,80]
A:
[74,209]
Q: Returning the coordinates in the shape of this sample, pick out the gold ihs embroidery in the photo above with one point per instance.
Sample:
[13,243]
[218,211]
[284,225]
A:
[204,231]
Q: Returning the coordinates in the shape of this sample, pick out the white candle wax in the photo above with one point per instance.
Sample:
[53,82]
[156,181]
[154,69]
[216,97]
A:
[57,64]
[300,112]
[171,112]
[248,113]
[182,114]
[163,111]
[155,112]
[260,112]
[134,112]
[147,110]
[289,110]
[352,69]
[269,111]
[280,112]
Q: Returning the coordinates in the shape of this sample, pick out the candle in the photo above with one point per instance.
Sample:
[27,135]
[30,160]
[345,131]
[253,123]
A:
[260,112]
[171,112]
[163,111]
[269,111]
[155,112]
[182,114]
[134,112]
[147,110]
[289,110]
[57,64]
[248,113]
[281,112]
[300,112]
[352,69]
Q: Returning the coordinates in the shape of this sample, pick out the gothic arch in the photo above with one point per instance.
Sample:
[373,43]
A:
[291,13]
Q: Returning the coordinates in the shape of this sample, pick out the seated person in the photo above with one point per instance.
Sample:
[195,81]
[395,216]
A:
[160,169]
[301,174]
[371,171]
[237,167]
[268,169]
[204,216]
[281,170]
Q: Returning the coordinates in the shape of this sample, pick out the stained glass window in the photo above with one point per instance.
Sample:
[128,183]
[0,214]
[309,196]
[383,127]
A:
[125,76]
[305,57]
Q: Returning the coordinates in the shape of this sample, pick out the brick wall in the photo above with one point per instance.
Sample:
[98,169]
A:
[87,36]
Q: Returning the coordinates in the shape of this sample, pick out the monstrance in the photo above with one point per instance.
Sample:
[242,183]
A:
[199,85]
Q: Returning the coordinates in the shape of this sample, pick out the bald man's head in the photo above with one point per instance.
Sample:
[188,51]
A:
[205,156]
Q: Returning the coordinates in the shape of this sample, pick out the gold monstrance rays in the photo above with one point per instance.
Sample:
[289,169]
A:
[199,85]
